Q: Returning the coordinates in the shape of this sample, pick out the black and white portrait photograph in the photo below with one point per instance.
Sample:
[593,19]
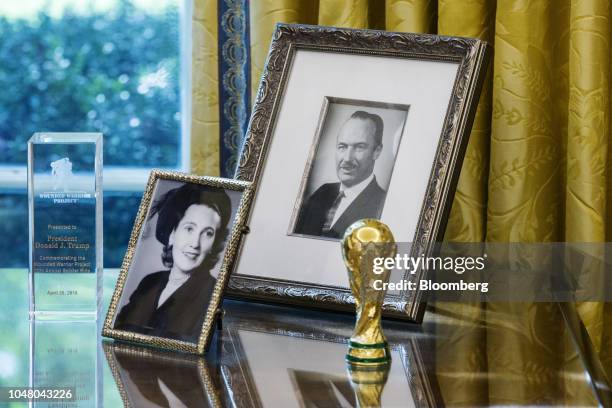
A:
[350,166]
[176,262]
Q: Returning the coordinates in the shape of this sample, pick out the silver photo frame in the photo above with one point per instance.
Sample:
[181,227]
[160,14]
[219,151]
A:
[438,79]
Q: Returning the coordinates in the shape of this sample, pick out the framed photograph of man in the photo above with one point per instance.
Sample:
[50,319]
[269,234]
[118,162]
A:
[178,261]
[349,171]
[351,124]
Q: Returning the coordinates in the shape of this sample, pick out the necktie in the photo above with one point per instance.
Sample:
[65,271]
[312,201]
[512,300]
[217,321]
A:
[329,217]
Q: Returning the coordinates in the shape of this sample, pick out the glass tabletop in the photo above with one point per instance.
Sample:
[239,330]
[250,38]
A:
[276,356]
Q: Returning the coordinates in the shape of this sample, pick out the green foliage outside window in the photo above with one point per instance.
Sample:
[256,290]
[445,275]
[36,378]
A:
[115,73]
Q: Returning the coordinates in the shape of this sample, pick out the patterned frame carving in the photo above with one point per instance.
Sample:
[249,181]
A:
[472,56]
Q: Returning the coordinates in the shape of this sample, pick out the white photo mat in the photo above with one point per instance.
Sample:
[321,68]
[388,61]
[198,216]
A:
[425,86]
[292,254]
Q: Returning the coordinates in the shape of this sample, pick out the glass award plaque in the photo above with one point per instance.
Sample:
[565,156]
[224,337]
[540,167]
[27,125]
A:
[66,357]
[65,220]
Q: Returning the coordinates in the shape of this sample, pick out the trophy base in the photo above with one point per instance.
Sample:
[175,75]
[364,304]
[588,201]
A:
[360,354]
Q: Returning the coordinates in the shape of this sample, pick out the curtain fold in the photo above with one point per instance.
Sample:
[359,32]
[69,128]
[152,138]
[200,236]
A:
[416,16]
[344,13]
[467,221]
[587,144]
[463,374]
[205,90]
[264,16]
[537,167]
[524,195]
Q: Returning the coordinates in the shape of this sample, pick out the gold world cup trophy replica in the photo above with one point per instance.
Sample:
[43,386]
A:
[364,241]
[368,356]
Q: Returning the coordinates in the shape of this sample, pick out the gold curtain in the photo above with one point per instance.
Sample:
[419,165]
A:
[536,165]
[205,90]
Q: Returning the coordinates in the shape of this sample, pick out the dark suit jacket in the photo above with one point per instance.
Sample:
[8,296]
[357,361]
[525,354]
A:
[312,215]
[180,317]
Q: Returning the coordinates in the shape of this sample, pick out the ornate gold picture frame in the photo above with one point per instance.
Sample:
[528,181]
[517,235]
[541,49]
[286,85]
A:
[413,96]
[179,257]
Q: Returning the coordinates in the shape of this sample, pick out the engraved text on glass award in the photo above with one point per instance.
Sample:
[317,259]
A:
[65,213]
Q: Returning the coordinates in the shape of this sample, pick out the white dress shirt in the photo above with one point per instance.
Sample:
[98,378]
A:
[350,194]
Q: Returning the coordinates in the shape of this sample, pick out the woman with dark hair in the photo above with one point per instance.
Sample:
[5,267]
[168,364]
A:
[192,225]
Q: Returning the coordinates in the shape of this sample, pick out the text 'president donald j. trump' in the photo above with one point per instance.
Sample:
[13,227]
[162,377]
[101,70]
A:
[333,207]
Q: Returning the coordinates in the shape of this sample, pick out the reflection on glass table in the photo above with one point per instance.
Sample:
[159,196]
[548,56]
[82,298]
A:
[155,378]
[64,354]
[269,358]
[274,356]
[51,353]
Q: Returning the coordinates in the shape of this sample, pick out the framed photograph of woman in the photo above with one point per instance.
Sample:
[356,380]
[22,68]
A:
[178,261]
[352,124]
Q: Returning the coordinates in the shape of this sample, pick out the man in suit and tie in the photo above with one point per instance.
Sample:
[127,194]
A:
[333,207]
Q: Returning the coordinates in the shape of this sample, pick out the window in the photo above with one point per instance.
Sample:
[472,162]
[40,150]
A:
[110,66]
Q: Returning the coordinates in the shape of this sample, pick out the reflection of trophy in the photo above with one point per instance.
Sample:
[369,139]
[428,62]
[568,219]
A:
[368,383]
[364,241]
